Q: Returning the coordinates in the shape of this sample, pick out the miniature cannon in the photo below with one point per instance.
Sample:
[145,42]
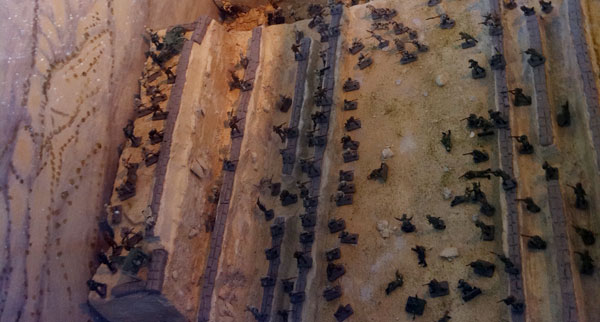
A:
[438,289]
[483,268]
[396,283]
[535,242]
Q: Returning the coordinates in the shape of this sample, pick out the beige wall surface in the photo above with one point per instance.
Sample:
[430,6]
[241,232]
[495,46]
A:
[69,70]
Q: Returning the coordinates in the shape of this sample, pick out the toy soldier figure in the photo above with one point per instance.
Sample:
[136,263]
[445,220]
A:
[244,61]
[335,271]
[170,76]
[445,318]
[515,307]
[587,263]
[379,26]
[333,292]
[509,266]
[407,57]
[476,70]
[297,53]
[385,13]
[399,45]
[508,183]
[511,4]
[407,226]
[520,99]
[483,268]
[469,41]
[535,242]
[415,305]
[155,39]
[564,117]
[379,174]
[468,292]
[497,62]
[269,213]
[445,21]
[551,172]
[478,156]
[474,122]
[348,238]
[530,205]
[350,105]
[382,42]
[280,131]
[99,288]
[256,313]
[318,117]
[303,260]
[288,285]
[364,62]
[352,124]
[499,121]
[487,231]
[397,282]
[436,222]
[526,147]
[233,124]
[580,201]
[438,289]
[103,259]
[351,85]
[535,58]
[155,136]
[587,236]
[128,132]
[546,6]
[304,192]
[412,34]
[399,28]
[235,82]
[288,198]
[343,312]
[356,47]
[433,3]
[420,47]
[420,250]
[477,174]
[447,141]
[348,143]
[528,11]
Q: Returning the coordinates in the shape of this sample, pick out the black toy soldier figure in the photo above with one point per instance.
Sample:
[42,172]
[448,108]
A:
[364,62]
[511,4]
[530,205]
[156,136]
[497,62]
[520,98]
[420,47]
[479,156]
[528,11]
[382,42]
[564,117]
[469,41]
[535,242]
[476,70]
[483,268]
[445,21]
[280,131]
[407,226]
[445,318]
[499,121]
[509,266]
[356,47]
[99,288]
[420,250]
[551,172]
[487,231]
[587,236]
[587,263]
[515,306]
[436,222]
[580,201]
[546,6]
[397,282]
[535,58]
[447,140]
[170,76]
[399,28]
[406,57]
[468,292]
[526,147]
[233,125]
[128,131]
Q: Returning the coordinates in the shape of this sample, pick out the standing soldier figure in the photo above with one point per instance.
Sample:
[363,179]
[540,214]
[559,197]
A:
[580,201]
[587,236]
[520,98]
[526,147]
[233,124]
[476,70]
[469,41]
[447,141]
[587,263]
